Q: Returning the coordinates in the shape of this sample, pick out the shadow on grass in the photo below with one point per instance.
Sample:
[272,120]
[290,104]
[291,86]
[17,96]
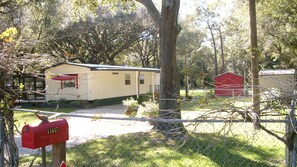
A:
[231,151]
[153,149]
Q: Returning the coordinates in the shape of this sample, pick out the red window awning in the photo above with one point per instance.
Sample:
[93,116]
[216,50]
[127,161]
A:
[65,77]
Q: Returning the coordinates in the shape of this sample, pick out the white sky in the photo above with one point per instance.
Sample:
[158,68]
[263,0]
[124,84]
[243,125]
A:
[189,6]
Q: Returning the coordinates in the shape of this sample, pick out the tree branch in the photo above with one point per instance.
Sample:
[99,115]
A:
[152,10]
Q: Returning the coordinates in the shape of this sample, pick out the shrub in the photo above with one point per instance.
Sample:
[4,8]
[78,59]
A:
[144,98]
[131,102]
[210,95]
[63,101]
[132,106]
[148,109]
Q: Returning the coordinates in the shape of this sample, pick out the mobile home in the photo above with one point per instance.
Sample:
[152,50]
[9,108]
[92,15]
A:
[76,81]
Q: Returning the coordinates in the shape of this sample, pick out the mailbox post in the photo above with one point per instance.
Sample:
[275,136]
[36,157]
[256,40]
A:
[54,133]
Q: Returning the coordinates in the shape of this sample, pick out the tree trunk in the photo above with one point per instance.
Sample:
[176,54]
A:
[186,76]
[7,123]
[169,85]
[169,82]
[222,51]
[255,61]
[214,48]
[9,140]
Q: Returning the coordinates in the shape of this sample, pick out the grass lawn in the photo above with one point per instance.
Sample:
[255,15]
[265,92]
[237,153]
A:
[205,100]
[153,149]
[21,118]
[209,145]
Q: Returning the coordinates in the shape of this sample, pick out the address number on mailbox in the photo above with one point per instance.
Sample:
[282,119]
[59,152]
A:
[52,130]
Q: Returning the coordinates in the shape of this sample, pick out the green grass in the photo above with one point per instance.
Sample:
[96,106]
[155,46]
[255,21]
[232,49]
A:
[205,100]
[153,149]
[21,118]
[209,144]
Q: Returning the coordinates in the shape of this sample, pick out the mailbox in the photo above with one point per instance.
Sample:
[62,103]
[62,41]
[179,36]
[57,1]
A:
[45,133]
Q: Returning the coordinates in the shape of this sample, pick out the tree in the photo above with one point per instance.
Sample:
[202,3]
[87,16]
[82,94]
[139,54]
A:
[236,42]
[144,52]
[222,51]
[167,22]
[97,40]
[13,61]
[255,61]
[6,94]
[189,43]
[10,6]
[277,33]
[208,16]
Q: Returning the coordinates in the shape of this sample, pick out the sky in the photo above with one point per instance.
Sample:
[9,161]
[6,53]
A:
[188,7]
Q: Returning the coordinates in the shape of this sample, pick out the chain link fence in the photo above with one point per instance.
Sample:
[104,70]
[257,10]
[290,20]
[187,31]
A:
[107,137]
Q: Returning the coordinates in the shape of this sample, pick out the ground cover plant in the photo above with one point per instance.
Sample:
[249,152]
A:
[206,100]
[21,118]
[154,149]
[208,144]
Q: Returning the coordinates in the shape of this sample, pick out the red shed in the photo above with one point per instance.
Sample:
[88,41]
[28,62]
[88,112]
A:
[228,84]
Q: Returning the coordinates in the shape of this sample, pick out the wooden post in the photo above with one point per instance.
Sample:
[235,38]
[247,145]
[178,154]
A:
[43,157]
[59,153]
[290,127]
[1,139]
[153,86]
[293,126]
[288,152]
[137,84]
[294,152]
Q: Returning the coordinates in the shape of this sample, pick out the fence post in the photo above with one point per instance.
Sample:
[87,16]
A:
[293,125]
[294,159]
[1,140]
[290,128]
[288,152]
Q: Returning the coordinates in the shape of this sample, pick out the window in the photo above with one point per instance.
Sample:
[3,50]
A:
[127,79]
[69,84]
[141,79]
[67,80]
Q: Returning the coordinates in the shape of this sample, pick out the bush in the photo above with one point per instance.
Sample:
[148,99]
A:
[144,98]
[131,102]
[148,109]
[132,106]
[63,101]
[210,95]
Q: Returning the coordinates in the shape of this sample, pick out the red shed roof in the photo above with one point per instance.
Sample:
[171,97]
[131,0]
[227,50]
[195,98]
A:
[230,73]
[228,79]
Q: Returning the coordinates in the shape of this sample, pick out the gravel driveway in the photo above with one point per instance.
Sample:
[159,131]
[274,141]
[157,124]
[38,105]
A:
[84,129]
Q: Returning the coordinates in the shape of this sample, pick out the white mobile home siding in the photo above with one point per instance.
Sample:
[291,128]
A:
[97,83]
[109,84]
[53,87]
